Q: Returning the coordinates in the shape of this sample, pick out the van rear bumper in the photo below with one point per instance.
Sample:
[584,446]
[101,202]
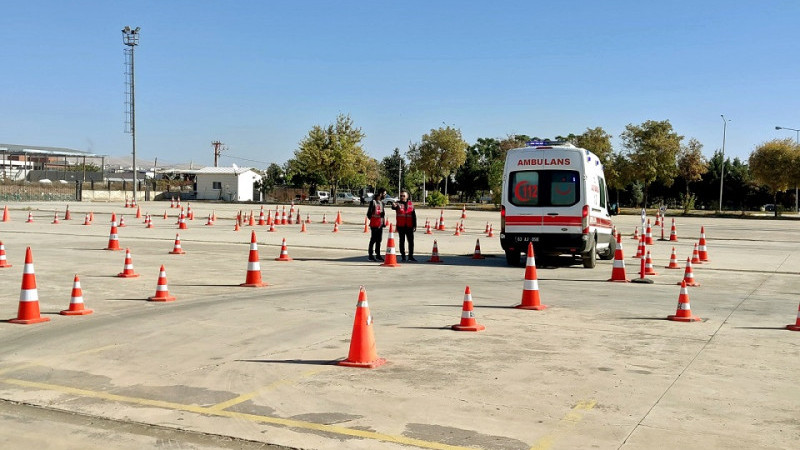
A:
[546,243]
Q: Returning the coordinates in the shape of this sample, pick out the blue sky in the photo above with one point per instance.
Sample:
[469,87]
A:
[257,75]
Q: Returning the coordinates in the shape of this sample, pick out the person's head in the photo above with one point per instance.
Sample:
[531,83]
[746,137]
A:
[380,193]
[404,197]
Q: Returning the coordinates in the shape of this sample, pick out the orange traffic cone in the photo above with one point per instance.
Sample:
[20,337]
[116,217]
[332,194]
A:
[635,233]
[441,220]
[253,265]
[209,222]
[684,311]
[182,221]
[284,220]
[291,215]
[261,219]
[76,307]
[113,237]
[688,275]
[477,254]
[464,212]
[302,227]
[618,272]
[172,202]
[673,234]
[486,230]
[284,255]
[428,227]
[272,227]
[324,218]
[658,219]
[138,212]
[468,322]
[391,252]
[176,248]
[3,262]
[648,234]
[673,260]
[366,225]
[213,215]
[236,226]
[796,326]
[642,248]
[121,221]
[30,217]
[648,265]
[695,256]
[162,290]
[701,246]
[252,221]
[165,214]
[149,220]
[362,343]
[127,270]
[308,218]
[28,311]
[298,220]
[335,227]
[339,217]
[530,288]
[6,217]
[189,212]
[55,218]
[436,225]
[435,254]
[662,238]
[67,215]
[127,203]
[461,226]
[491,231]
[86,220]
[458,231]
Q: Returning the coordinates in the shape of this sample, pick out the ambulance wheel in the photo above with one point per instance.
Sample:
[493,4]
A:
[512,257]
[590,258]
[609,254]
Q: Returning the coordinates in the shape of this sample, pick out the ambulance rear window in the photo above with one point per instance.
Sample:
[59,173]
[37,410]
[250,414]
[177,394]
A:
[544,188]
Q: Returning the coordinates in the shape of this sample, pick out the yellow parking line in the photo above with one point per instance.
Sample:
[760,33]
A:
[42,361]
[250,395]
[236,415]
[568,421]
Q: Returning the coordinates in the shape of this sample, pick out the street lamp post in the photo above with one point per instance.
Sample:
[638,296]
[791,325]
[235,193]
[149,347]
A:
[722,165]
[130,37]
[797,142]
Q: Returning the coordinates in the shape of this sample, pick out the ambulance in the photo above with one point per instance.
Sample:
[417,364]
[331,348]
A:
[555,196]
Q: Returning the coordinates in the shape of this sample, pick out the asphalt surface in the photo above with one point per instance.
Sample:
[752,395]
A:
[232,367]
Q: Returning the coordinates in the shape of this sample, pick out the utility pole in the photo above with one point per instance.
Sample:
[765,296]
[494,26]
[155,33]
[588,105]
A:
[217,151]
[399,176]
[131,39]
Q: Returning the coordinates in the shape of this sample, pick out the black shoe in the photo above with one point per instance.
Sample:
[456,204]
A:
[371,258]
[403,258]
[379,257]
[411,258]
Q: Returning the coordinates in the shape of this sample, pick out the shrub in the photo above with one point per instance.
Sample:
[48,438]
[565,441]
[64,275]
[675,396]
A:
[437,199]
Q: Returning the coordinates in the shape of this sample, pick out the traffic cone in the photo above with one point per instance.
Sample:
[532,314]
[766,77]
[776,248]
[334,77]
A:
[213,215]
[391,252]
[648,235]
[701,246]
[149,221]
[298,220]
[796,326]
[176,248]
[486,230]
[339,217]
[362,343]
[324,218]
[209,222]
[6,217]
[236,225]
[477,254]
[673,234]
[252,221]
[290,216]
[530,288]
[121,221]
[272,227]
[641,248]
[113,237]
[658,219]
[55,218]
[436,224]
[189,212]
[133,202]
[284,220]
[695,256]
[162,290]
[284,255]
[28,311]
[684,311]
[308,218]
[648,265]
[662,232]
[491,231]
[635,233]
[165,214]
[269,218]
[67,215]
[127,203]
[172,202]
[302,227]
[76,307]
[458,231]
[178,202]
[428,227]
[441,220]
[3,261]
[468,322]
[86,220]
[435,254]
[366,225]
[30,217]
[253,265]
[618,272]
[261,219]
[464,212]
[673,260]
[335,227]
[138,212]
[688,275]
[127,270]
[182,221]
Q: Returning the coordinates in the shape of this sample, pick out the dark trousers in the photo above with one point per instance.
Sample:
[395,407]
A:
[406,232]
[375,239]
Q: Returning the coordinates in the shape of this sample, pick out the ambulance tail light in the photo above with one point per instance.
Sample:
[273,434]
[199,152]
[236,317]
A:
[585,219]
[502,219]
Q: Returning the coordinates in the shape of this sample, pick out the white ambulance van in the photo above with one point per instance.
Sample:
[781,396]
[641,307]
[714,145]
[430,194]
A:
[555,196]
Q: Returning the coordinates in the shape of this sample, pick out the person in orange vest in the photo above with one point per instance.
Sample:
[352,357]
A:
[406,224]
[375,215]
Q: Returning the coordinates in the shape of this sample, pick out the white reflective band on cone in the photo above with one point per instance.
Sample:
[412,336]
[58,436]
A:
[619,263]
[112,237]
[77,300]
[531,285]
[28,268]
[253,266]
[28,295]
[684,306]
[467,314]
[530,261]
[161,288]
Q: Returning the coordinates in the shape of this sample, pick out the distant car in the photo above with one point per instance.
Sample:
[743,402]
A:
[345,197]
[768,207]
[390,199]
[323,196]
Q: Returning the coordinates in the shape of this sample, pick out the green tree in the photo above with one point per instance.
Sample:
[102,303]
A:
[652,148]
[439,153]
[691,162]
[597,141]
[394,167]
[772,164]
[618,172]
[271,177]
[332,153]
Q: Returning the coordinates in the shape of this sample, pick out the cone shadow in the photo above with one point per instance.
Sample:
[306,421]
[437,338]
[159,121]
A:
[761,328]
[427,328]
[313,362]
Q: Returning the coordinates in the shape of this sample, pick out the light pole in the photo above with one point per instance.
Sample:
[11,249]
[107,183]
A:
[131,39]
[797,142]
[722,166]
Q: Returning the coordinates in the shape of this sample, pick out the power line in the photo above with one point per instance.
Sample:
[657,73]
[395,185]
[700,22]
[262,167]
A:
[244,159]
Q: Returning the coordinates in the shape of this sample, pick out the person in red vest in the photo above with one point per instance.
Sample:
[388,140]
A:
[406,224]
[375,215]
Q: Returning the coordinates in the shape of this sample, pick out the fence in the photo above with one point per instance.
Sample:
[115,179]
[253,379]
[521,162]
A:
[28,192]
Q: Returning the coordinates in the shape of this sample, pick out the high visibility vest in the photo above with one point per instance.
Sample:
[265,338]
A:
[375,219]
[405,215]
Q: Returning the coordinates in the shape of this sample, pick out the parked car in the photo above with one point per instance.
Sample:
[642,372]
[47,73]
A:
[322,197]
[345,197]
[390,199]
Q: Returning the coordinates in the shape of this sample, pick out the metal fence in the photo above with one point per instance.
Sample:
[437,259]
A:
[26,192]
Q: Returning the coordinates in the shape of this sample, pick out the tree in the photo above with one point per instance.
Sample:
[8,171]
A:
[273,176]
[773,164]
[652,148]
[691,162]
[332,153]
[393,168]
[597,141]
[439,153]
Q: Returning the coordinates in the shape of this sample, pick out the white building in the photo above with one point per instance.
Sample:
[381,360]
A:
[230,184]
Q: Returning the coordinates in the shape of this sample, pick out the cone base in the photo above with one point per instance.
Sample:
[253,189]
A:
[390,264]
[673,240]
[693,283]
[478,257]
[531,307]
[79,312]
[284,259]
[364,365]
[114,249]
[29,321]
[254,284]
[476,327]
[168,298]
[675,318]
[624,280]
[127,275]
[696,262]
[5,265]
[704,260]
[179,252]
[793,327]
[435,260]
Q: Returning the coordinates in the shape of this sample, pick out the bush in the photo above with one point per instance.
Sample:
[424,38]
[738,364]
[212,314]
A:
[687,202]
[437,199]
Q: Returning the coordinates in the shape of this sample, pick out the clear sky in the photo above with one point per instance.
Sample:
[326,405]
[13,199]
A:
[257,75]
